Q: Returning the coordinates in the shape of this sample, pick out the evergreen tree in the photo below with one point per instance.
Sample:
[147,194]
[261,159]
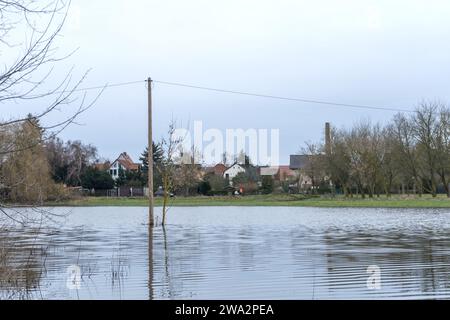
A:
[96,179]
[122,178]
[157,156]
[267,184]
[157,160]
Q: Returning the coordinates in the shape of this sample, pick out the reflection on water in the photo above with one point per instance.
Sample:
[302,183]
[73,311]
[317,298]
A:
[233,252]
[20,265]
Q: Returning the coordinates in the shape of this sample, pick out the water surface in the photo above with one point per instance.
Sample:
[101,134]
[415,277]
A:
[230,253]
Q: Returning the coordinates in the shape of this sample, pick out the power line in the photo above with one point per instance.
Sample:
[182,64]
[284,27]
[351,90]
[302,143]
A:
[259,95]
[283,98]
[119,84]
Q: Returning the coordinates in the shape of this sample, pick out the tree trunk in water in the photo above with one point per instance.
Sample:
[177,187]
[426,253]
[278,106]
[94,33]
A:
[164,209]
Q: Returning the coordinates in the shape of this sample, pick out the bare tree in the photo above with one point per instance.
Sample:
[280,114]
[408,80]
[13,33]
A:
[28,33]
[388,159]
[356,143]
[337,162]
[442,145]
[409,151]
[188,172]
[402,130]
[168,165]
[314,164]
[426,128]
[32,60]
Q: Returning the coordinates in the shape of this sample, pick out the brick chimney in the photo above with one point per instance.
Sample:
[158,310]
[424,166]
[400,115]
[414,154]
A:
[327,138]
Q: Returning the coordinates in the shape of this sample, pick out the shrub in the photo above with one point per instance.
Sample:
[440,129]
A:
[267,184]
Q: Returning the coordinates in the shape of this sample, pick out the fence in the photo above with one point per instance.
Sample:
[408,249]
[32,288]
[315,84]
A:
[122,191]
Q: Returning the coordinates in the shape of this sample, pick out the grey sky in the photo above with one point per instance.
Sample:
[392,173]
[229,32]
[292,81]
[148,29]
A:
[382,53]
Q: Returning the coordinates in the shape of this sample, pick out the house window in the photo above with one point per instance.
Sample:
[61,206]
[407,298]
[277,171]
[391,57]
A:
[115,172]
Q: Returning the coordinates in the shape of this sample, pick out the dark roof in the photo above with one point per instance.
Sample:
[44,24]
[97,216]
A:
[298,161]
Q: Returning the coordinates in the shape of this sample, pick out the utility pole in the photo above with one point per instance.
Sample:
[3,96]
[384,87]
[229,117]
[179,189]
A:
[150,155]
[151,220]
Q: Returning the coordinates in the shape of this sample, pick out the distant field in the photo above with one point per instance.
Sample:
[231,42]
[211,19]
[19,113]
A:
[425,201]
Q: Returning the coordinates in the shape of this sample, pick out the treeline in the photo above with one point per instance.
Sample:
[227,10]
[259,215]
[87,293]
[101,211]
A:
[410,154]
[35,167]
[24,169]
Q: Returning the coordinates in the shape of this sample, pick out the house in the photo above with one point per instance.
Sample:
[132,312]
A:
[217,170]
[123,162]
[102,166]
[268,171]
[286,174]
[299,163]
[307,164]
[279,173]
[232,172]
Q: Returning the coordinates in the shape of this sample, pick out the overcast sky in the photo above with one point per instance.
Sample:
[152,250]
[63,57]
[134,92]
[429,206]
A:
[380,53]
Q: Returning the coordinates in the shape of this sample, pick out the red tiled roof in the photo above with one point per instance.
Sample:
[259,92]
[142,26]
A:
[102,166]
[125,160]
[285,171]
[278,172]
[219,169]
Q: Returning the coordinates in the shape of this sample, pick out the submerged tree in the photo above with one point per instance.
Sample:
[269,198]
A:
[168,166]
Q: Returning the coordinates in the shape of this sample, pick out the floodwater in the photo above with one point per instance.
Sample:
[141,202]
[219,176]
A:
[229,253]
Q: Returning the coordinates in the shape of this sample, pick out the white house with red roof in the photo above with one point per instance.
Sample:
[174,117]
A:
[232,172]
[123,162]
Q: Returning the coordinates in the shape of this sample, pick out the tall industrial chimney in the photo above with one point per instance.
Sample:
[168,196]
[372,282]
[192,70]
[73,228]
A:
[327,138]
